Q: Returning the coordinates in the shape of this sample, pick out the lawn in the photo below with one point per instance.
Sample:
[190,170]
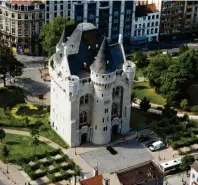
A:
[143,89]
[139,118]
[20,146]
[13,112]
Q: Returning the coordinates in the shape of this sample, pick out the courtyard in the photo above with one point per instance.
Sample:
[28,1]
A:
[129,153]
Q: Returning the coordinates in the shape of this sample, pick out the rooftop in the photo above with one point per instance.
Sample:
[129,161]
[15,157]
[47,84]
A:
[141,173]
[82,48]
[24,2]
[144,10]
[97,180]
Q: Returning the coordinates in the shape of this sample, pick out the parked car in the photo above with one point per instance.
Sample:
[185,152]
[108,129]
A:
[149,144]
[143,138]
[157,146]
[174,54]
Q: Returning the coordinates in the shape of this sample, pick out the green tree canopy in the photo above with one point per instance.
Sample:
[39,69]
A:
[183,49]
[5,154]
[186,161]
[51,32]
[140,59]
[2,134]
[145,104]
[8,62]
[157,66]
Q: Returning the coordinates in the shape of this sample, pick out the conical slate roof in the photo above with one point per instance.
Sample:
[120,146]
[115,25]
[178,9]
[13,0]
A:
[103,63]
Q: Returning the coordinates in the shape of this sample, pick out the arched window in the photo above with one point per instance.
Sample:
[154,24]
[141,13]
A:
[82,100]
[87,99]
[117,91]
[114,109]
[83,117]
[113,92]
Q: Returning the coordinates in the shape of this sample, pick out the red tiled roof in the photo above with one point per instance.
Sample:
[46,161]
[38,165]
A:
[143,173]
[97,180]
[24,2]
[143,10]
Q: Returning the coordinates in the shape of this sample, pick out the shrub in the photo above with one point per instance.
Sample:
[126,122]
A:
[36,166]
[51,177]
[44,128]
[35,176]
[27,168]
[184,104]
[194,108]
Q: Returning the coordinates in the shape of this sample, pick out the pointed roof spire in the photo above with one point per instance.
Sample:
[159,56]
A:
[103,63]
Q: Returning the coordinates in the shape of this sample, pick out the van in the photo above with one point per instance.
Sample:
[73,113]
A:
[156,146]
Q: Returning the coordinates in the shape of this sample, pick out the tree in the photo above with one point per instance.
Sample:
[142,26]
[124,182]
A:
[2,134]
[140,59]
[76,172]
[184,104]
[8,63]
[157,66]
[145,104]
[168,112]
[51,32]
[132,97]
[186,161]
[183,49]
[5,154]
[34,133]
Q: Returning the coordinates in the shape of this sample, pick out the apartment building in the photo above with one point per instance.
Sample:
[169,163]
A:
[172,22]
[55,8]
[20,24]
[147,22]
[191,17]
[111,17]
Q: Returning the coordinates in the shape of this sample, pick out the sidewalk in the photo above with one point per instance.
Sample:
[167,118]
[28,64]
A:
[13,177]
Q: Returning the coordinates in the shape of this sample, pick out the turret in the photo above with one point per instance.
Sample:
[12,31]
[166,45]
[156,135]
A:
[103,75]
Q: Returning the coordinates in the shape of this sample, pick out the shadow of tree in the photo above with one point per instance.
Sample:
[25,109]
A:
[33,87]
[12,142]
[140,87]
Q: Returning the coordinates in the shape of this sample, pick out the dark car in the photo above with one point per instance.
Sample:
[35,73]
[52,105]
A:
[143,138]
[174,54]
[149,144]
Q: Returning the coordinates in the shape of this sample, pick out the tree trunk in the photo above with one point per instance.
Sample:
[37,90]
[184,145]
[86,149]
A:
[7,165]
[4,80]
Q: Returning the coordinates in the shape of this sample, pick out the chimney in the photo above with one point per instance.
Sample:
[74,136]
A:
[95,171]
[120,39]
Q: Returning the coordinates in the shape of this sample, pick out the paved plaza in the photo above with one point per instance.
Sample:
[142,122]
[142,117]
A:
[130,153]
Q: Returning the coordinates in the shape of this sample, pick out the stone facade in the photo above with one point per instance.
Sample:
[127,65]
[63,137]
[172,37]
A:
[95,103]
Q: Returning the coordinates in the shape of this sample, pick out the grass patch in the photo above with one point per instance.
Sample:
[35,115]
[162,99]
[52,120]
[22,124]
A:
[143,89]
[139,73]
[20,146]
[139,118]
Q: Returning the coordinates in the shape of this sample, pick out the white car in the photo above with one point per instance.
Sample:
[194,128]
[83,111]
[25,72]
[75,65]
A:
[156,146]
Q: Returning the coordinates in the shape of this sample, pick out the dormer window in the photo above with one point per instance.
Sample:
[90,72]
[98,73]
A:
[36,6]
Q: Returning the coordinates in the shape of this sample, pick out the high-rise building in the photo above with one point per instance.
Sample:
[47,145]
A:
[111,17]
[20,24]
[191,17]
[55,8]
[172,21]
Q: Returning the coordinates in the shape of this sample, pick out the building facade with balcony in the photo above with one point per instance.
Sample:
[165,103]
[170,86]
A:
[20,24]
[147,22]
[172,21]
[111,17]
[90,87]
[191,17]
[56,8]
